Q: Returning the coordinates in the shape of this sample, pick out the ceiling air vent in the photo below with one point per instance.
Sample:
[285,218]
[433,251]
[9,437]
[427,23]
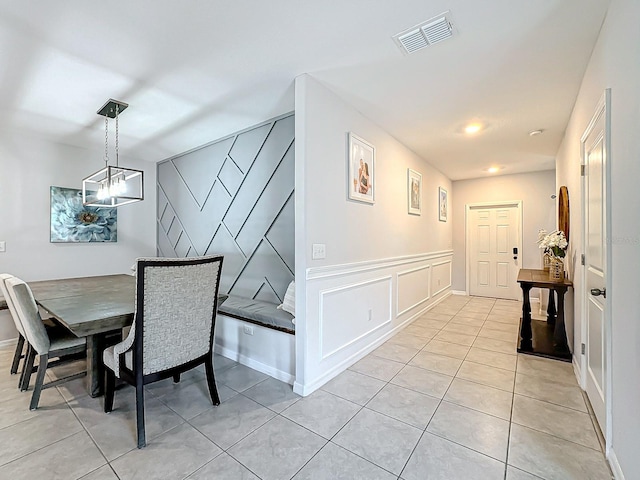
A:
[427,33]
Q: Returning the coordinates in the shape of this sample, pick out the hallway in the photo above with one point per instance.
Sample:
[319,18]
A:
[445,398]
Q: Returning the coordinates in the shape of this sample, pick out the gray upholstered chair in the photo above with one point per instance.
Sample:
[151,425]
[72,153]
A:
[173,328]
[46,343]
[20,346]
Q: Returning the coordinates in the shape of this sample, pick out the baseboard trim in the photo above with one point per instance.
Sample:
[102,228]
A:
[615,465]
[254,364]
[309,388]
[458,292]
[11,342]
[576,370]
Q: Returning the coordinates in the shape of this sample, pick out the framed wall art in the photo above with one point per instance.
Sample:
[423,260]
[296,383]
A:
[362,169]
[71,222]
[443,207]
[414,192]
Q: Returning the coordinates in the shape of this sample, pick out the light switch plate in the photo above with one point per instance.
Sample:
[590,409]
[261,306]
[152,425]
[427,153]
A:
[3,246]
[318,251]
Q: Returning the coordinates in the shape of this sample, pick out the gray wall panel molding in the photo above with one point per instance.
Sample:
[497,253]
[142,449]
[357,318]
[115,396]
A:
[234,197]
[199,169]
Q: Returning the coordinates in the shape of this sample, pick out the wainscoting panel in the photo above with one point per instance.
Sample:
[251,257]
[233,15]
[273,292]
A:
[351,309]
[413,288]
[441,277]
[234,197]
[350,312]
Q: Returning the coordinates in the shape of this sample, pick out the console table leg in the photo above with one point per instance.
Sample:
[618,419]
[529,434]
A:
[551,308]
[559,333]
[525,331]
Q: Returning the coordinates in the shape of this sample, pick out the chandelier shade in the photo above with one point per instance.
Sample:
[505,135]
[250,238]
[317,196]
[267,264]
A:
[113,185]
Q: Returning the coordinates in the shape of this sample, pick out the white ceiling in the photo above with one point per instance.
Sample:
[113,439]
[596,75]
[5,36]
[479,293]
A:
[194,71]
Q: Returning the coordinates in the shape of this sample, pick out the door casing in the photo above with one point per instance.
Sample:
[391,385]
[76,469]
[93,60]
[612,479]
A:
[603,108]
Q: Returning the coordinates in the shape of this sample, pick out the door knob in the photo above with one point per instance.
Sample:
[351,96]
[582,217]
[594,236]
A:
[597,292]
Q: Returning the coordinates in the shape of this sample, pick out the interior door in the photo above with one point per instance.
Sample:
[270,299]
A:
[494,250]
[594,148]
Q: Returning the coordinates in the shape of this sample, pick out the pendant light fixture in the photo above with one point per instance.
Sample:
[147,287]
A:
[113,185]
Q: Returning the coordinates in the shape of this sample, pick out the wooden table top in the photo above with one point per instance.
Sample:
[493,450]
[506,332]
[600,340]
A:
[88,305]
[540,278]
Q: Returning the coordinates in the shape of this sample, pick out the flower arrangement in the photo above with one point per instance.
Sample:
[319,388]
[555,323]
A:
[554,243]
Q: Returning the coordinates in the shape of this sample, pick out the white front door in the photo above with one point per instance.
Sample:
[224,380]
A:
[494,249]
[594,151]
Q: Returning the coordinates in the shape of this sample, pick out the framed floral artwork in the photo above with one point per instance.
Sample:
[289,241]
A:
[362,159]
[71,222]
[442,204]
[414,192]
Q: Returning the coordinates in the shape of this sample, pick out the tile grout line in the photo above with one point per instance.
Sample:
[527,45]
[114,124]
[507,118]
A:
[430,420]
[513,397]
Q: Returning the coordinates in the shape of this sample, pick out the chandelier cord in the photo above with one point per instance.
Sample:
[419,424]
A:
[106,141]
[117,149]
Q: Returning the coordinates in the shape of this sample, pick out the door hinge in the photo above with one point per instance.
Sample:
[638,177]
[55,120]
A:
[583,348]
[583,170]
[582,259]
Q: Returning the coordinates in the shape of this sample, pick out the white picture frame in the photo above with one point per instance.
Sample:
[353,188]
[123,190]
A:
[361,159]
[414,192]
[443,204]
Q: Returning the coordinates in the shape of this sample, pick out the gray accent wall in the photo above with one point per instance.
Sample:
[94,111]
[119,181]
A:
[234,197]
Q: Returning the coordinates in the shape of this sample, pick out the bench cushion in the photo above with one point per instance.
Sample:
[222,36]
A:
[259,312]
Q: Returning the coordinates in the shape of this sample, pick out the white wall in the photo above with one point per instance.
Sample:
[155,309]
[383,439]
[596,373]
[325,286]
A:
[614,64]
[267,350]
[538,211]
[28,167]
[382,266]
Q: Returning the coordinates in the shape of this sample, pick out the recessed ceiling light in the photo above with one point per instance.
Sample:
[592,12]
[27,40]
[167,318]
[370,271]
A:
[473,128]
[493,169]
[533,133]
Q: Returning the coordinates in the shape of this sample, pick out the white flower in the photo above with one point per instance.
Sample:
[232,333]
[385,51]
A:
[542,233]
[554,243]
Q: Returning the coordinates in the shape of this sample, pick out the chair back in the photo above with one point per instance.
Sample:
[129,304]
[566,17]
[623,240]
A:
[27,312]
[176,305]
[5,293]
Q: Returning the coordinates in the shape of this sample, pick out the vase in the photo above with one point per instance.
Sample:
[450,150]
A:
[546,262]
[556,269]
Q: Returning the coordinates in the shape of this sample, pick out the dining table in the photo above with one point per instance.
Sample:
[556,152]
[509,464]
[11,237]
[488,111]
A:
[97,308]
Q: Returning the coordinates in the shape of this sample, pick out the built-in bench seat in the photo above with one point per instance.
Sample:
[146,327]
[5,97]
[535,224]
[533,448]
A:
[258,312]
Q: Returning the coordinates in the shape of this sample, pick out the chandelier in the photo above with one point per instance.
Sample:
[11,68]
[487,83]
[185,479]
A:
[113,185]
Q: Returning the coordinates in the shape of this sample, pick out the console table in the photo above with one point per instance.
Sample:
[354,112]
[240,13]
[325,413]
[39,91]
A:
[538,337]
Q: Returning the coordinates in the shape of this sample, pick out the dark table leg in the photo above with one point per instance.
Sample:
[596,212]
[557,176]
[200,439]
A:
[525,331]
[95,368]
[559,333]
[551,308]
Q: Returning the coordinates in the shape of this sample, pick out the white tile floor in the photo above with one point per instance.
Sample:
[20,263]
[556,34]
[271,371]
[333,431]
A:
[446,398]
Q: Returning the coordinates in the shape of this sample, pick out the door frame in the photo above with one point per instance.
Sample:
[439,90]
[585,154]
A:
[467,209]
[603,107]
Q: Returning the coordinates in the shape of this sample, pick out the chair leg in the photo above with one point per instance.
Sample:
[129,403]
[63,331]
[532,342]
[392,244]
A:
[142,442]
[176,378]
[27,370]
[109,389]
[18,355]
[211,380]
[42,368]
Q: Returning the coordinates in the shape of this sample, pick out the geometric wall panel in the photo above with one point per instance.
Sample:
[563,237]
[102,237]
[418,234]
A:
[234,197]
